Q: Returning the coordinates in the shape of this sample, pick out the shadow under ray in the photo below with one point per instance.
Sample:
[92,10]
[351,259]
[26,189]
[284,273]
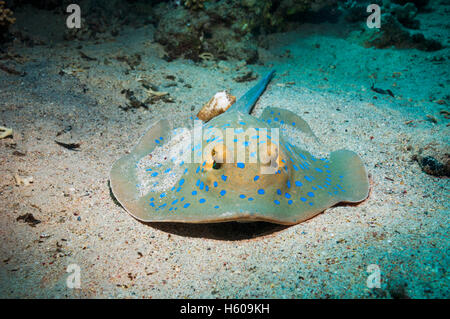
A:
[227,231]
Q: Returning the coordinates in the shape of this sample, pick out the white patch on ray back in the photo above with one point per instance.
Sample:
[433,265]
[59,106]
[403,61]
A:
[303,141]
[171,155]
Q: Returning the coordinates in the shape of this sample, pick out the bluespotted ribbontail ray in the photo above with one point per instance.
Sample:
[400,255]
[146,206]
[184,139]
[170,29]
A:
[255,172]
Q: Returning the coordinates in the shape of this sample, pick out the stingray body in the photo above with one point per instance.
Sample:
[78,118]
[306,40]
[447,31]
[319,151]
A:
[242,168]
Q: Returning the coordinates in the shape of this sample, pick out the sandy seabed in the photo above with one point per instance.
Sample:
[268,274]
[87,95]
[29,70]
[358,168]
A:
[322,76]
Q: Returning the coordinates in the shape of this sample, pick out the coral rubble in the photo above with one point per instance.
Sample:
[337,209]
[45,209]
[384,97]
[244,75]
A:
[398,24]
[226,29]
[194,4]
[6,19]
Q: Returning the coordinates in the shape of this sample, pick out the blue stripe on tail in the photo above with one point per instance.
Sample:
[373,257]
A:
[248,100]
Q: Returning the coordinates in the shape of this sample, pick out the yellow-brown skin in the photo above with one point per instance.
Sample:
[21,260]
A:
[239,182]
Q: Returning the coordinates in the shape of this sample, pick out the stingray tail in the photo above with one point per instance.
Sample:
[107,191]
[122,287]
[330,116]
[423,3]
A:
[248,100]
[349,170]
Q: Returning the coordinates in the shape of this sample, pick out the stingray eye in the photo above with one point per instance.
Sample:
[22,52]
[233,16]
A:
[216,157]
[218,153]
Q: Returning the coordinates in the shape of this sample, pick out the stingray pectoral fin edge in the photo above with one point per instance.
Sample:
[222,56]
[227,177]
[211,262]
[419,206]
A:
[123,179]
[275,116]
[355,179]
[158,129]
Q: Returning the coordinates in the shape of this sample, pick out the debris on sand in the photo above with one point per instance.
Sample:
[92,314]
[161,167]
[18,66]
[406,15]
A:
[86,57]
[245,76]
[29,219]
[65,139]
[381,91]
[432,166]
[10,70]
[23,180]
[5,132]
[132,61]
[70,146]
[133,101]
[206,56]
[150,91]
[433,160]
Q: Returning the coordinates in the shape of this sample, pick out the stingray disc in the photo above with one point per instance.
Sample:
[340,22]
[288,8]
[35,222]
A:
[240,169]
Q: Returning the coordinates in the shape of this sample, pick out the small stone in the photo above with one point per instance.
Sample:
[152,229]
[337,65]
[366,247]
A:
[23,180]
[245,76]
[432,166]
[29,219]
